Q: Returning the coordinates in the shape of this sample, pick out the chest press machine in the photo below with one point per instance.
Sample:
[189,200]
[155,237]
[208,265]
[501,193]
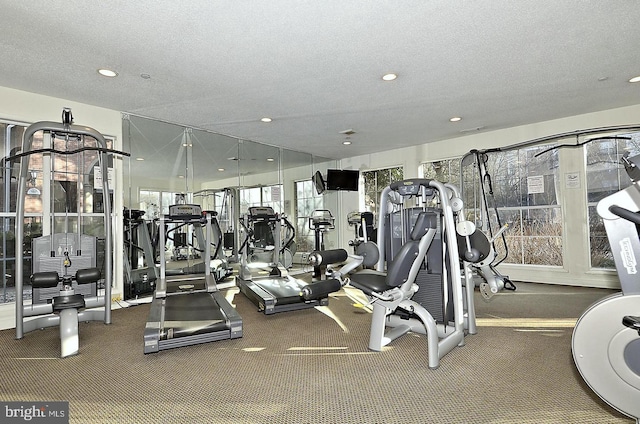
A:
[396,310]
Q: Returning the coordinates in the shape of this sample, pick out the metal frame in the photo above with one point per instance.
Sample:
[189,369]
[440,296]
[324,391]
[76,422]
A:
[89,314]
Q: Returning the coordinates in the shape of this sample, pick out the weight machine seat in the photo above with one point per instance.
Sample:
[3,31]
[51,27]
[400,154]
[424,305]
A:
[74,301]
[370,281]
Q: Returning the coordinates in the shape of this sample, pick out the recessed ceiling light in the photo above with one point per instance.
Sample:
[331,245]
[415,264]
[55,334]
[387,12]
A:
[270,159]
[140,159]
[107,73]
[346,142]
[389,77]
[455,119]
[266,119]
[635,79]
[180,176]
[220,169]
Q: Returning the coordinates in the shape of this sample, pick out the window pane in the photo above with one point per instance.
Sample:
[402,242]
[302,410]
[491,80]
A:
[605,175]
[374,184]
[307,200]
[32,229]
[519,190]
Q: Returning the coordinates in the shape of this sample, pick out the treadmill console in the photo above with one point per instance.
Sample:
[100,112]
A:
[179,212]
[412,187]
[408,188]
[262,213]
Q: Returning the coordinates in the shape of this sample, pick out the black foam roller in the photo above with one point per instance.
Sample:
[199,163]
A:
[332,256]
[43,280]
[88,275]
[320,289]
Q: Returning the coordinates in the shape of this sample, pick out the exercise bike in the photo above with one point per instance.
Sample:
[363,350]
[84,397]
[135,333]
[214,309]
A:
[606,338]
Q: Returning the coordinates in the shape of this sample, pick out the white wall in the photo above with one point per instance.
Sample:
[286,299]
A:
[575,243]
[24,107]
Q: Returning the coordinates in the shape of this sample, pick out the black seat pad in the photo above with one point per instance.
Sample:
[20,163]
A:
[370,281]
[73,301]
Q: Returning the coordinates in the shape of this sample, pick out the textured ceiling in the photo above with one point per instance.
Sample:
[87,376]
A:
[315,67]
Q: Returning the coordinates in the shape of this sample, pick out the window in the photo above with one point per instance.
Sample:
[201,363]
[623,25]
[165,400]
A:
[605,175]
[446,171]
[261,196]
[524,197]
[524,188]
[70,186]
[150,203]
[375,182]
[307,200]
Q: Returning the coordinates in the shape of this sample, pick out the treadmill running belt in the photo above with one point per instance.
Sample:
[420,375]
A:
[192,314]
[285,291]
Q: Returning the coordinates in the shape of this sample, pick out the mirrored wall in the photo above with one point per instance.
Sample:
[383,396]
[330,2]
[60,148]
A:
[173,164]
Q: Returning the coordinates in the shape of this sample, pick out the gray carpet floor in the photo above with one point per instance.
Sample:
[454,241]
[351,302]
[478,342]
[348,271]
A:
[313,366]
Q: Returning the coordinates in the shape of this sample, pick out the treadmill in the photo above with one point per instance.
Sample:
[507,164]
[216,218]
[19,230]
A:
[269,285]
[188,309]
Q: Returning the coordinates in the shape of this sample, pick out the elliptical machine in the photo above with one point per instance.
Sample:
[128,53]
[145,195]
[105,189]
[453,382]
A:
[606,338]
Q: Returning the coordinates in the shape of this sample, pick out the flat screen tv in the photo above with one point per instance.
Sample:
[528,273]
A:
[318,182]
[346,180]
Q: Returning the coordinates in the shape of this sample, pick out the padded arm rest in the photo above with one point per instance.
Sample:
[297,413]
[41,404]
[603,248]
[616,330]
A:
[46,279]
[88,275]
[74,301]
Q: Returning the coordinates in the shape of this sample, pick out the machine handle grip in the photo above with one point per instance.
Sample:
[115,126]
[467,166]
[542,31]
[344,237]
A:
[625,214]
[632,322]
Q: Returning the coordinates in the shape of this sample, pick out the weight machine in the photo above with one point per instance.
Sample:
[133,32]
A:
[426,239]
[477,239]
[64,262]
[140,270]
